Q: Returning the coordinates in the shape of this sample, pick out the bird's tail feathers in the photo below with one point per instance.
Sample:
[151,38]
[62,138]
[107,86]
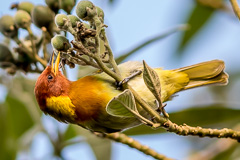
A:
[205,73]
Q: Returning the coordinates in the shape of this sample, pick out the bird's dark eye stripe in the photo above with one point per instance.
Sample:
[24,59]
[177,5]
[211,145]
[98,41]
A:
[50,77]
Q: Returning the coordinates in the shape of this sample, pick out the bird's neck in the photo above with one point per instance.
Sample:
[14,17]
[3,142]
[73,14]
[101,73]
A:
[56,101]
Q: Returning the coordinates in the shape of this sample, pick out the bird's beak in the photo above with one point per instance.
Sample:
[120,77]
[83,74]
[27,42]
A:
[54,67]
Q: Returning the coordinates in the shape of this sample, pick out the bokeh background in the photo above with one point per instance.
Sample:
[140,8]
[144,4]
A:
[215,33]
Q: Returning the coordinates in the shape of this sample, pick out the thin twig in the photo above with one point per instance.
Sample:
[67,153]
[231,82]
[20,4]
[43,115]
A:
[36,70]
[185,130]
[111,57]
[45,35]
[31,35]
[122,138]
[101,65]
[43,62]
[236,8]
[77,59]
[90,62]
[24,48]
[107,70]
[29,54]
[99,26]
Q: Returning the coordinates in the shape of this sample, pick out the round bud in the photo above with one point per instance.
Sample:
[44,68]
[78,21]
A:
[42,16]
[26,6]
[81,9]
[5,54]
[73,19]
[53,5]
[67,5]
[22,19]
[60,43]
[59,19]
[86,25]
[100,13]
[7,26]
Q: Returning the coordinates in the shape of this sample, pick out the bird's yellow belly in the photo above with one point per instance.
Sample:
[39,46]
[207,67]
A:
[61,108]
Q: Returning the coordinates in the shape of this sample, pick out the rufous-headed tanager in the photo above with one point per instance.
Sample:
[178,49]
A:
[83,102]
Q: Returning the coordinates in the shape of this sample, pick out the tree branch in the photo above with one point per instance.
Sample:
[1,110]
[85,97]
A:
[124,139]
[236,8]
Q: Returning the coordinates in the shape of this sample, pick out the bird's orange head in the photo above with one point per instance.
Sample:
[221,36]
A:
[51,83]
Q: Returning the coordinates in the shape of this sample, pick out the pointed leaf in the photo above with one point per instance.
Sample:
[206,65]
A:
[122,105]
[204,116]
[8,149]
[199,17]
[152,81]
[18,116]
[151,40]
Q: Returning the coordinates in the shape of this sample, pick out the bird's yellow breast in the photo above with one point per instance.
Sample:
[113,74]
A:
[61,108]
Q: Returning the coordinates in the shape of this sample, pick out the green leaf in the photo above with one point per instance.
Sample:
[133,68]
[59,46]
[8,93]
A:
[101,147]
[15,119]
[69,133]
[152,81]
[199,17]
[26,139]
[122,105]
[204,116]
[19,119]
[8,149]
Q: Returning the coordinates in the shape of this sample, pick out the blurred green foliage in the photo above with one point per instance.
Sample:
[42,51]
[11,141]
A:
[197,19]
[21,120]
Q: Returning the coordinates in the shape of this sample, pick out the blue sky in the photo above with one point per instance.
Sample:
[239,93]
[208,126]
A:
[134,21]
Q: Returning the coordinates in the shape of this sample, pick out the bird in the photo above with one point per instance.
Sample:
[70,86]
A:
[83,102]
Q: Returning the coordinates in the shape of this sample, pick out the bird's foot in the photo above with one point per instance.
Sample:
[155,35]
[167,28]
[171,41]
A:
[161,109]
[127,79]
[99,134]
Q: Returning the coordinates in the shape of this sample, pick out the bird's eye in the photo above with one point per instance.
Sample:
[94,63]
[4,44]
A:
[50,77]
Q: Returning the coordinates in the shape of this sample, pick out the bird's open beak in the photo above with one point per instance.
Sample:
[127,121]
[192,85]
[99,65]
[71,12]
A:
[54,67]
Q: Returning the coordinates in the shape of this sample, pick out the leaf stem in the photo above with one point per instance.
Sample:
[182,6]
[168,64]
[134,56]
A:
[96,57]
[45,36]
[31,35]
[110,53]
[39,59]
[29,54]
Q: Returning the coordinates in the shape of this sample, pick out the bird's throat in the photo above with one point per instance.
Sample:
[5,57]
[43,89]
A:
[60,108]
